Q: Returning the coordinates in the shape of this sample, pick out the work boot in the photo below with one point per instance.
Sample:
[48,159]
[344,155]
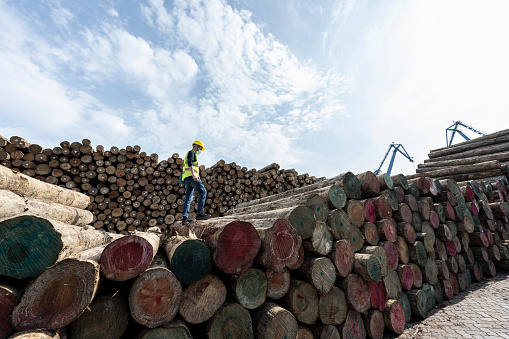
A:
[203,216]
[186,220]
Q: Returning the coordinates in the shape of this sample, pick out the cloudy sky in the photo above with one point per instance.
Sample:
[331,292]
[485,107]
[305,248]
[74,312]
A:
[320,86]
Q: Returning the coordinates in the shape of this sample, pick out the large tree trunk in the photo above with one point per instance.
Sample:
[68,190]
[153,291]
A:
[271,321]
[58,296]
[333,307]
[10,295]
[219,327]
[106,317]
[249,288]
[235,244]
[302,301]
[26,186]
[202,299]
[155,295]
[127,257]
[54,241]
[357,292]
[189,258]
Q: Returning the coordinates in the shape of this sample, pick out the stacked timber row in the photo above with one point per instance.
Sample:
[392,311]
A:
[352,256]
[131,190]
[486,158]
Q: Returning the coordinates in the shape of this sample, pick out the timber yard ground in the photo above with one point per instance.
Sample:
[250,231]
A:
[481,311]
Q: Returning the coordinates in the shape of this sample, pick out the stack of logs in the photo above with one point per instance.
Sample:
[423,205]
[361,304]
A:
[131,190]
[351,256]
[485,158]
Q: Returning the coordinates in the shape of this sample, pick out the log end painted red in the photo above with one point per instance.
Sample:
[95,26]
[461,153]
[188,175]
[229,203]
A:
[392,254]
[407,277]
[370,210]
[126,258]
[378,295]
[237,247]
[450,247]
[344,257]
[434,219]
[397,318]
[7,303]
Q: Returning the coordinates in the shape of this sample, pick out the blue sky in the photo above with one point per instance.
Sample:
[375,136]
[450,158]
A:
[320,86]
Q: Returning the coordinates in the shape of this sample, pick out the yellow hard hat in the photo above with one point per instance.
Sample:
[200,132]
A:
[199,143]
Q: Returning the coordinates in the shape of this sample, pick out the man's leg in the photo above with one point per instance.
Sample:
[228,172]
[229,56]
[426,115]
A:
[202,197]
[188,199]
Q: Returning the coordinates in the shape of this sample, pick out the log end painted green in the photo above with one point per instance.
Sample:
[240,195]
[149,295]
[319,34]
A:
[337,196]
[191,261]
[231,321]
[251,289]
[28,245]
[352,186]
[303,220]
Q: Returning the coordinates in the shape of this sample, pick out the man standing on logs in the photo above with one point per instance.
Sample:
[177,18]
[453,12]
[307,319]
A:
[191,178]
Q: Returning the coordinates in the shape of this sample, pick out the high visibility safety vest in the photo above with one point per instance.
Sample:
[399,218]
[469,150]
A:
[187,170]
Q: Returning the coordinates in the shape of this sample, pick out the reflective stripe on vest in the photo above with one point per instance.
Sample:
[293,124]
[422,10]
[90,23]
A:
[187,170]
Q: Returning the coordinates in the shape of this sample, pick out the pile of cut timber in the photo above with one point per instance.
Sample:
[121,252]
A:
[486,158]
[352,256]
[131,190]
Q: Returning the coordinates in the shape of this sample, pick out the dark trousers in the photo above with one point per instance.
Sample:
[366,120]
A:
[192,185]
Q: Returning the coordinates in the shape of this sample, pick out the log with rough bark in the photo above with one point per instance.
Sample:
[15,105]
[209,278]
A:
[302,218]
[26,186]
[357,292]
[353,327]
[174,329]
[320,242]
[202,299]
[378,294]
[368,266]
[249,288]
[235,244]
[302,300]
[10,294]
[234,321]
[126,257]
[106,317]
[53,241]
[58,296]
[342,228]
[394,316]
[332,307]
[369,183]
[189,258]
[342,256]
[278,283]
[272,321]
[374,323]
[156,294]
[319,272]
[314,201]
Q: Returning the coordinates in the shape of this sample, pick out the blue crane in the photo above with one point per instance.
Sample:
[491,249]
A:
[454,128]
[397,148]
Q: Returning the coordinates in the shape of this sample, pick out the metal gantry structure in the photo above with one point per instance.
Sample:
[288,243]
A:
[454,129]
[396,148]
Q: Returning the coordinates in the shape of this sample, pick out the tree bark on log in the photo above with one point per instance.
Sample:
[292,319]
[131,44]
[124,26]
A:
[319,272]
[10,295]
[201,299]
[357,292]
[488,140]
[273,321]
[156,294]
[249,288]
[394,316]
[174,329]
[189,258]
[54,241]
[342,256]
[369,183]
[127,257]
[333,307]
[302,301]
[26,186]
[106,317]
[353,327]
[235,244]
[278,283]
[58,296]
[220,326]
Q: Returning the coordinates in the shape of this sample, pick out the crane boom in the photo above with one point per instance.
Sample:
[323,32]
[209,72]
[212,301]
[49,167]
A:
[396,148]
[454,128]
